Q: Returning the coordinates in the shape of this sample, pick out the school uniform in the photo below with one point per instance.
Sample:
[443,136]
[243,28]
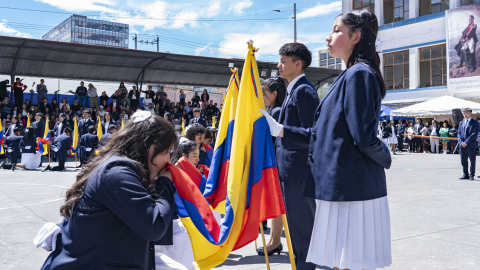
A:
[105,126]
[12,149]
[401,130]
[346,174]
[467,133]
[11,128]
[30,158]
[115,222]
[60,127]
[39,128]
[105,139]
[61,145]
[199,120]
[88,143]
[297,114]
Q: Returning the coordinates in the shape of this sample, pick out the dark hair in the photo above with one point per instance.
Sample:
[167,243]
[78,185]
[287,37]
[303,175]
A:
[110,127]
[91,129]
[278,85]
[196,110]
[364,51]
[29,135]
[208,134]
[17,129]
[67,130]
[297,51]
[471,16]
[132,142]
[185,147]
[193,130]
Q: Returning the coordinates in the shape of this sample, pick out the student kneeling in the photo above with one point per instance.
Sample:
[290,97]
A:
[61,146]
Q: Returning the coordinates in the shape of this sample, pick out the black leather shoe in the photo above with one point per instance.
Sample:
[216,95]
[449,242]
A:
[46,168]
[13,166]
[271,252]
[463,177]
[472,178]
[1,164]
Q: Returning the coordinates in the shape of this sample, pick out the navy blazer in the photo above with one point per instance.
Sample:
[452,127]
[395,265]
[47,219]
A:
[386,131]
[346,160]
[39,128]
[32,143]
[105,138]
[400,130]
[109,123]
[65,124]
[201,121]
[63,143]
[83,126]
[88,140]
[12,143]
[297,113]
[11,129]
[470,136]
[115,222]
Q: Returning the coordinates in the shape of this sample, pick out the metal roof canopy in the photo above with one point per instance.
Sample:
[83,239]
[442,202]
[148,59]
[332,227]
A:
[53,59]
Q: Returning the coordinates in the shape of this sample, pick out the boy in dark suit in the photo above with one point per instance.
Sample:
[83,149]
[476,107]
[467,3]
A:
[60,146]
[297,111]
[401,131]
[11,148]
[106,137]
[467,136]
[88,143]
[197,119]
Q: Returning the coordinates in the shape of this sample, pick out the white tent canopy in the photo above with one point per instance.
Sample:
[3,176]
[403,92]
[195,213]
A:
[436,107]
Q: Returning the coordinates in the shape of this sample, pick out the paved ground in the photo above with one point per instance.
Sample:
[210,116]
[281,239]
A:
[435,217]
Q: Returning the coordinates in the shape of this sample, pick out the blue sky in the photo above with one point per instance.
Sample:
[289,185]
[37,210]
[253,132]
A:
[206,38]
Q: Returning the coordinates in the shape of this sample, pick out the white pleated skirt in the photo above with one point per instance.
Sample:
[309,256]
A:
[353,235]
[179,255]
[392,140]
[31,161]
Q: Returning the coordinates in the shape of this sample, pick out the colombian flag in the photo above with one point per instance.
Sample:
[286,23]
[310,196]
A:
[2,140]
[252,186]
[28,122]
[74,147]
[43,143]
[99,129]
[183,127]
[208,159]
[216,188]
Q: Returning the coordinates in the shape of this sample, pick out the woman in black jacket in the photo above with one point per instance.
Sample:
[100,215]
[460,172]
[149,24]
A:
[134,96]
[121,203]
[104,97]
[205,98]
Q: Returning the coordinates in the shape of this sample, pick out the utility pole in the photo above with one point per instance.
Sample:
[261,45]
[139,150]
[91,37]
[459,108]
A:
[158,47]
[135,38]
[295,22]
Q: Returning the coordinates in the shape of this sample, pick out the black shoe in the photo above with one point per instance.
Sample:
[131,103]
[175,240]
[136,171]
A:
[271,252]
[13,166]
[46,168]
[264,225]
[472,178]
[463,177]
[1,164]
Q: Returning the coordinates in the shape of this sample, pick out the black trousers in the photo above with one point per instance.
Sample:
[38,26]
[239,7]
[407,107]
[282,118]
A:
[466,154]
[60,167]
[12,158]
[18,98]
[300,216]
[400,143]
[419,144]
[133,104]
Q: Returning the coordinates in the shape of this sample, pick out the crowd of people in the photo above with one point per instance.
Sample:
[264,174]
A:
[91,112]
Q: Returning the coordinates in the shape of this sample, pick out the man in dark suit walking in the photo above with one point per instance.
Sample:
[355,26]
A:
[60,146]
[401,131]
[467,139]
[298,111]
[197,118]
[11,147]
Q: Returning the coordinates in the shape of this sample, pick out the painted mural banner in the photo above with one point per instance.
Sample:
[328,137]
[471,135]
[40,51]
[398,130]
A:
[463,48]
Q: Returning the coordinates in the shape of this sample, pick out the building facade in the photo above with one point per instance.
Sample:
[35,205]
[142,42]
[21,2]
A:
[80,29]
[326,61]
[419,59]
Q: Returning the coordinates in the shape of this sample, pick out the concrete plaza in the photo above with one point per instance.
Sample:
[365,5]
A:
[435,217]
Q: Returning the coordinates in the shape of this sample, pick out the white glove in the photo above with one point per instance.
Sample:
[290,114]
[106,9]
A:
[88,149]
[28,147]
[9,150]
[55,149]
[275,127]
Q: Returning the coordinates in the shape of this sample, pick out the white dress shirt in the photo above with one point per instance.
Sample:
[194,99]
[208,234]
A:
[293,82]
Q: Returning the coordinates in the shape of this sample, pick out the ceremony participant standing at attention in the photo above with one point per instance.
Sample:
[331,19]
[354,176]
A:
[61,125]
[346,160]
[392,140]
[81,93]
[273,96]
[418,142]
[61,145]
[12,150]
[434,131]
[122,201]
[467,140]
[18,89]
[197,119]
[88,143]
[400,136]
[297,112]
[39,128]
[41,91]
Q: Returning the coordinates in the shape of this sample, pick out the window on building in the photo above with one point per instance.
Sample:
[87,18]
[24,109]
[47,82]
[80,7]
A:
[395,10]
[339,66]
[396,70]
[323,63]
[331,61]
[364,4]
[433,6]
[468,2]
[433,66]
[323,56]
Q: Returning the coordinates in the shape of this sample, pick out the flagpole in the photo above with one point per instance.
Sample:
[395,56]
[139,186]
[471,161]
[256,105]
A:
[49,150]
[75,159]
[265,252]
[289,242]
[7,163]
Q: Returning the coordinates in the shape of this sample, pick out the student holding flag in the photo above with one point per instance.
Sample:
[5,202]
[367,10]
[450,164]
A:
[347,162]
[61,145]
[297,112]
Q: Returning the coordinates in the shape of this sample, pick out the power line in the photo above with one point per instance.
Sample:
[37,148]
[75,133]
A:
[149,18]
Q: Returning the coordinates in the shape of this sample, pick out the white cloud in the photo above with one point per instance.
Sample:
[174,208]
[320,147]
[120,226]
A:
[239,7]
[320,9]
[81,5]
[267,43]
[198,51]
[12,32]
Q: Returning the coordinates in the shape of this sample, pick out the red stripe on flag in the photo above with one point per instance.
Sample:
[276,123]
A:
[221,190]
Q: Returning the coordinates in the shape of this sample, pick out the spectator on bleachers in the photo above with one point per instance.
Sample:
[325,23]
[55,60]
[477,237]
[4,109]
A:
[205,97]
[75,107]
[64,103]
[147,100]
[122,91]
[92,94]
[41,91]
[134,96]
[81,93]
[54,104]
[104,98]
